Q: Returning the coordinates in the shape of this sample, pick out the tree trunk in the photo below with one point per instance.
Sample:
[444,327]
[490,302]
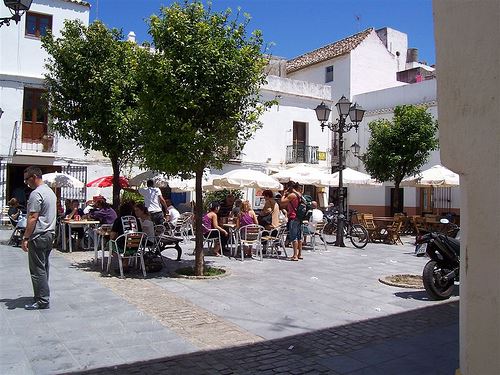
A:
[395,199]
[198,251]
[116,183]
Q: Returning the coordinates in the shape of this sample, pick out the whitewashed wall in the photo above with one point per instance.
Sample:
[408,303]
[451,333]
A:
[373,67]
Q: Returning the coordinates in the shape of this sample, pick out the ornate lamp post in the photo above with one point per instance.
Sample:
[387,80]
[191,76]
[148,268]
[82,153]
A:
[17,9]
[355,112]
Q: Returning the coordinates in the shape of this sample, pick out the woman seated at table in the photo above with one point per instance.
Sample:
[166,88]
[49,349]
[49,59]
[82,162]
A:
[125,209]
[246,217]
[269,217]
[103,212]
[75,213]
[209,222]
[142,213]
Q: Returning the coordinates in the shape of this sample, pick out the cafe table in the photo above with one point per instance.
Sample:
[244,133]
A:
[232,232]
[71,224]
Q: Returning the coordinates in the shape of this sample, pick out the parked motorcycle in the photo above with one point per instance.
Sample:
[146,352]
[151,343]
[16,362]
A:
[443,268]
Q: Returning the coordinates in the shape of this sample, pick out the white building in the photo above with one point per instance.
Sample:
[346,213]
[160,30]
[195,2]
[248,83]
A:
[374,68]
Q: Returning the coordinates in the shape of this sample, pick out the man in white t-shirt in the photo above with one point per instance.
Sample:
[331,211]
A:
[172,212]
[153,200]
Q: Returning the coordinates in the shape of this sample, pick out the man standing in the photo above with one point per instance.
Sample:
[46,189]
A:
[153,200]
[292,197]
[39,235]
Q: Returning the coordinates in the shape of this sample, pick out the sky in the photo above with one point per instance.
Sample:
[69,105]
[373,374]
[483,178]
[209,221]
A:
[294,27]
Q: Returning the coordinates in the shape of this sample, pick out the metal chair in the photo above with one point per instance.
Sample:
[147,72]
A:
[250,236]
[210,236]
[128,245]
[102,232]
[318,232]
[275,241]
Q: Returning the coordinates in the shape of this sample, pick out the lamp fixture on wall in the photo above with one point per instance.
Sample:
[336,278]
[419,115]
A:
[17,9]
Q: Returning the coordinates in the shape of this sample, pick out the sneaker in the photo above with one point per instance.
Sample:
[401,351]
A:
[37,306]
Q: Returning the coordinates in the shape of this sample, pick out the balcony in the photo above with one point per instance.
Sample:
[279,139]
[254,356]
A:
[301,154]
[46,145]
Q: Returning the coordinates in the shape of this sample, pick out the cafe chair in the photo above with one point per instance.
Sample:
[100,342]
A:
[318,232]
[369,224]
[128,246]
[274,242]
[210,237]
[250,236]
[102,236]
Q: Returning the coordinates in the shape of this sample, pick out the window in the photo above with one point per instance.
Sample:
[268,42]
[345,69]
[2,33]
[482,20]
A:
[37,24]
[329,74]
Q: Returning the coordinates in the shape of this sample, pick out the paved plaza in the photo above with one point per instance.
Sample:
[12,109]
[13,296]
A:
[326,314]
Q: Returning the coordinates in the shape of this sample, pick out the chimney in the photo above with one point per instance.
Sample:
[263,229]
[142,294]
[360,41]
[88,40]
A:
[131,37]
[412,55]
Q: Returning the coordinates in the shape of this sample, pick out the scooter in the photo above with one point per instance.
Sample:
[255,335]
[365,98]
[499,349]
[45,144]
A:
[443,268]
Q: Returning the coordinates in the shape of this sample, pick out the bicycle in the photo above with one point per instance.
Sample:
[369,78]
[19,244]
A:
[357,233]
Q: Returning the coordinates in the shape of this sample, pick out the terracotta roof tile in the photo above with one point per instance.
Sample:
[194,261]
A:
[327,52]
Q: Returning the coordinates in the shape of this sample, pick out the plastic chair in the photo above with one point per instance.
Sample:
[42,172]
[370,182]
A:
[250,235]
[128,245]
[102,232]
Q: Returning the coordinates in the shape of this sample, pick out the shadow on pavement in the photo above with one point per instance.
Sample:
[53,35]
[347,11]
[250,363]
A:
[422,295]
[386,345]
[17,303]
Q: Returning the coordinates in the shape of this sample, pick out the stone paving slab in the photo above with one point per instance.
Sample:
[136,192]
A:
[326,314]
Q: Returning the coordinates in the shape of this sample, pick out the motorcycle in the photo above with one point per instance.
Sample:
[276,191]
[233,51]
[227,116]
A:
[443,268]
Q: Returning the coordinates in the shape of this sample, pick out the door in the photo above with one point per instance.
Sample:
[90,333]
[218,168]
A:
[397,207]
[426,201]
[34,116]
[299,141]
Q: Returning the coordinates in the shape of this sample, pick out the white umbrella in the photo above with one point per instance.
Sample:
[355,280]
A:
[207,184]
[57,180]
[305,175]
[142,177]
[247,178]
[352,177]
[436,176]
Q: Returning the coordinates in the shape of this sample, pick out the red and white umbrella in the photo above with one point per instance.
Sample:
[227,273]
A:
[107,181]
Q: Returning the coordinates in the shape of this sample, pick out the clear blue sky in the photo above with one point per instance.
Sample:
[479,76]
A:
[295,26]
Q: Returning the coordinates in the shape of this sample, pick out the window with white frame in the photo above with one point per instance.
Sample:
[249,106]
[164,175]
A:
[329,74]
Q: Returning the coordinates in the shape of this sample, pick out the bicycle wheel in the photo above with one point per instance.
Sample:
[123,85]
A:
[329,233]
[359,236]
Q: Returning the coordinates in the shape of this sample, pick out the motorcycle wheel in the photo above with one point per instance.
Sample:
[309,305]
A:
[359,236]
[434,286]
[329,233]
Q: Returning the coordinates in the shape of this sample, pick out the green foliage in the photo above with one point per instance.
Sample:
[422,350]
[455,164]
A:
[200,101]
[92,88]
[132,196]
[400,147]
[219,196]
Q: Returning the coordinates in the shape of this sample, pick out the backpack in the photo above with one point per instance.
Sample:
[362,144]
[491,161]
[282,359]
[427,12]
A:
[304,208]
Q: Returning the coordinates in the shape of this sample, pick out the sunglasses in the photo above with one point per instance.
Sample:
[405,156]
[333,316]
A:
[27,178]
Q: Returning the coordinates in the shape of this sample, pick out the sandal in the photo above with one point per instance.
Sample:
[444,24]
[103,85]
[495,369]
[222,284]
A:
[294,259]
[300,258]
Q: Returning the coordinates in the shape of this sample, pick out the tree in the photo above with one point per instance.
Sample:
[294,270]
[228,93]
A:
[92,88]
[201,97]
[399,148]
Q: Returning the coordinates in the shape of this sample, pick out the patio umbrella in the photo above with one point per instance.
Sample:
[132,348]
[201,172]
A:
[436,176]
[247,178]
[142,177]
[207,184]
[303,174]
[58,180]
[107,181]
[352,177]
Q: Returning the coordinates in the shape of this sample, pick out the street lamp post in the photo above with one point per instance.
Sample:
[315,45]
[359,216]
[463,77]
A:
[355,112]
[17,9]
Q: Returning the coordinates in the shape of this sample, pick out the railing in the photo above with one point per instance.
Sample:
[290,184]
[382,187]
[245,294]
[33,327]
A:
[46,144]
[302,154]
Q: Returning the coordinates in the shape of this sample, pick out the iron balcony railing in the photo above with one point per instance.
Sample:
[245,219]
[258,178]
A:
[302,154]
[46,144]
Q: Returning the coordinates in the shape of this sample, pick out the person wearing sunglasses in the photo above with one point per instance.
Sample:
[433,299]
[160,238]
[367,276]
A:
[39,235]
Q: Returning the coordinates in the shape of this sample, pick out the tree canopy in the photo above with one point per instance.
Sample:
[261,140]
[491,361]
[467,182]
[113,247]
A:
[399,148]
[93,86]
[200,103]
